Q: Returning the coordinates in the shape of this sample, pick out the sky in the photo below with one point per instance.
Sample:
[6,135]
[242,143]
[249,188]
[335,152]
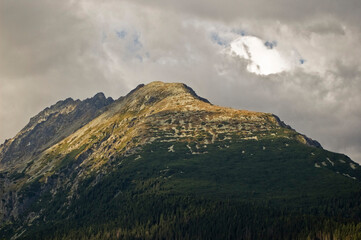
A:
[297,59]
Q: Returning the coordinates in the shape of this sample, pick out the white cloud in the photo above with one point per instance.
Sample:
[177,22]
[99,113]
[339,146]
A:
[263,57]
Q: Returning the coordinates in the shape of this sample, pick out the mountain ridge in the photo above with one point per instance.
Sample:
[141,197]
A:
[159,140]
[51,125]
[135,114]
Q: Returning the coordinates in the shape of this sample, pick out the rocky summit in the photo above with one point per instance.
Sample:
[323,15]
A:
[165,163]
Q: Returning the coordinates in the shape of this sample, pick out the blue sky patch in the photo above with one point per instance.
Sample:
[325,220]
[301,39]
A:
[121,34]
[270,45]
[136,42]
[217,39]
[239,32]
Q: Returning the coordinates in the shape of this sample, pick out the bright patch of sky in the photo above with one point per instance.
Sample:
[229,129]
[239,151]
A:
[263,57]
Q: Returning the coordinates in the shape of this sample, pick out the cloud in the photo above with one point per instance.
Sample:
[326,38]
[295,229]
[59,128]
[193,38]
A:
[286,11]
[263,57]
[53,50]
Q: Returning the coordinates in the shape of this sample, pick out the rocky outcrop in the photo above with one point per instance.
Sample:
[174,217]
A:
[49,127]
[302,138]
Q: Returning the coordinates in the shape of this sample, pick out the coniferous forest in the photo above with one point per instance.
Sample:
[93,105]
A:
[150,198]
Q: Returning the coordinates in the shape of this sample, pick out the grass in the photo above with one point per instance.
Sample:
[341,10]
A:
[70,158]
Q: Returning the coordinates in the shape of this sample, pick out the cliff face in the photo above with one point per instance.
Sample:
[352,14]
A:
[75,145]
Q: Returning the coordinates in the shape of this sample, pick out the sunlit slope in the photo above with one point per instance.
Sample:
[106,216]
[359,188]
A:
[164,112]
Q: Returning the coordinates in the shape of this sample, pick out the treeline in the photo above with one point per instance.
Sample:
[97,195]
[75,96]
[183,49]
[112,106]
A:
[176,217]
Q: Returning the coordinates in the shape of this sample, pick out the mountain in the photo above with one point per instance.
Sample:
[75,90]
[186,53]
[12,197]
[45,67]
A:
[164,163]
[49,127]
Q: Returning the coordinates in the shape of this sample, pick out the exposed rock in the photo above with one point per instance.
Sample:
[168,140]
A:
[49,127]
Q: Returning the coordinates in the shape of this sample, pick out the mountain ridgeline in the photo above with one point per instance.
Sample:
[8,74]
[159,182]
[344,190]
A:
[164,163]
[50,126]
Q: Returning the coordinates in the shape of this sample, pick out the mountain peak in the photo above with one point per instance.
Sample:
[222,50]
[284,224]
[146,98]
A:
[99,95]
[170,112]
[162,89]
[160,96]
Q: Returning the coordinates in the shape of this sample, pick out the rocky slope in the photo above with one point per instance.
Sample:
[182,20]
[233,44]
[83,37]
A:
[166,112]
[49,127]
[160,136]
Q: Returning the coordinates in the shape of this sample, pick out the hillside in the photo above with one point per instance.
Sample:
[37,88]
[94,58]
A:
[162,162]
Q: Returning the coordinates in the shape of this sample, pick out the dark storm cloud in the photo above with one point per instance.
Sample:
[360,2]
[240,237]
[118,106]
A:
[283,10]
[50,50]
